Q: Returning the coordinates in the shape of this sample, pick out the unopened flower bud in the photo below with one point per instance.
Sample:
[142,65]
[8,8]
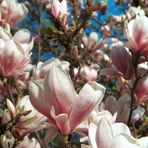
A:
[89,2]
[96,6]
[74,53]
[103,7]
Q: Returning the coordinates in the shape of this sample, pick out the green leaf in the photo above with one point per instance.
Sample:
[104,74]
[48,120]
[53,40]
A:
[52,27]
[30,120]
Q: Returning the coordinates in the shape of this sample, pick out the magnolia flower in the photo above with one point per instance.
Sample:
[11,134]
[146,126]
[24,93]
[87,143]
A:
[133,11]
[136,32]
[41,70]
[95,117]
[115,43]
[89,73]
[30,119]
[15,53]
[105,30]
[107,135]
[59,9]
[55,97]
[122,67]
[12,11]
[122,108]
[92,43]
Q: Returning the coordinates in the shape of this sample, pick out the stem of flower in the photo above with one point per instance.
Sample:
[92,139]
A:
[135,58]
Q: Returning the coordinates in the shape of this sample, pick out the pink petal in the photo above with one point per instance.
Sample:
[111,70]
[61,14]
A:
[111,104]
[62,123]
[104,134]
[124,65]
[60,90]
[141,90]
[38,98]
[91,94]
[124,108]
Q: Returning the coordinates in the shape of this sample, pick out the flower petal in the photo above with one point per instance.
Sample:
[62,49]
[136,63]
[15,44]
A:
[62,123]
[91,133]
[104,134]
[38,98]
[91,94]
[60,90]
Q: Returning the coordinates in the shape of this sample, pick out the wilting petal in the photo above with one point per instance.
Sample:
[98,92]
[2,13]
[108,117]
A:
[91,94]
[60,90]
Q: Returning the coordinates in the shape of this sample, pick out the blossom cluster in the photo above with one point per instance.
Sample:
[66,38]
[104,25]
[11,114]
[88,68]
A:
[93,89]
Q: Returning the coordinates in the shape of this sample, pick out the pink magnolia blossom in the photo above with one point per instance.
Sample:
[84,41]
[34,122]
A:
[41,70]
[12,11]
[115,135]
[59,9]
[136,32]
[15,53]
[133,11]
[122,67]
[95,117]
[27,123]
[89,73]
[105,30]
[92,43]
[115,43]
[56,98]
[122,108]
[141,90]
